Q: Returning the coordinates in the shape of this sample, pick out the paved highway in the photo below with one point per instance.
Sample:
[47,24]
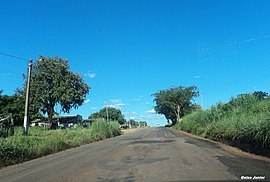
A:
[151,154]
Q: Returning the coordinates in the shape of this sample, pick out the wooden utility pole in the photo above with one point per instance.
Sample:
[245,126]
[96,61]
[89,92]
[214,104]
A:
[129,120]
[26,113]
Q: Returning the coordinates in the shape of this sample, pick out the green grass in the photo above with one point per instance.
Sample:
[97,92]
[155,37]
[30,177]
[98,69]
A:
[40,142]
[243,121]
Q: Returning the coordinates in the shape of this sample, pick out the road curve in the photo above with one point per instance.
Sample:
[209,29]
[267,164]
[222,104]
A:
[151,154]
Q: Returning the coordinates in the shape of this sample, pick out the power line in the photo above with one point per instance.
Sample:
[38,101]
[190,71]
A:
[12,56]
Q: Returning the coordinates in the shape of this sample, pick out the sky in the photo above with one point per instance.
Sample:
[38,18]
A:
[128,50]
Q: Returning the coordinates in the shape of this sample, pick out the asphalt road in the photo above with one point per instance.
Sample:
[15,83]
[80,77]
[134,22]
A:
[151,154]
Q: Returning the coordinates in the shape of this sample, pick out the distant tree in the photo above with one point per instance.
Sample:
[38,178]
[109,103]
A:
[133,123]
[95,115]
[143,123]
[53,83]
[113,114]
[175,102]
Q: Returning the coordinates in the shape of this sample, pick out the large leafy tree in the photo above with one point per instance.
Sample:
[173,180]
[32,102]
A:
[175,102]
[113,114]
[53,83]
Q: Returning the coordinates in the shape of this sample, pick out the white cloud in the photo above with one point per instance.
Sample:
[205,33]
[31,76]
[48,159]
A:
[147,103]
[197,76]
[131,113]
[150,117]
[86,101]
[152,111]
[121,104]
[90,74]
[94,108]
[115,101]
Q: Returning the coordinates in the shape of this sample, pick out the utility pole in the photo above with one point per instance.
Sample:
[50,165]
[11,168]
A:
[26,113]
[129,120]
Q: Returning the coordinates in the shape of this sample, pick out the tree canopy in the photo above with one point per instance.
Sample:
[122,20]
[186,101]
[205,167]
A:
[53,83]
[175,102]
[134,123]
[113,114]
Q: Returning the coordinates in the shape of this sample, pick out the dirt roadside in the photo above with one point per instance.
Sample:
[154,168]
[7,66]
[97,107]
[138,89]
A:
[233,150]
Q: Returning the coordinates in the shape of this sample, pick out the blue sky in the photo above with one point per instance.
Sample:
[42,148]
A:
[127,50]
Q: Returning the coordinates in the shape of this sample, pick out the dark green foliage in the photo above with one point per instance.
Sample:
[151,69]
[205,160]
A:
[175,102]
[113,115]
[135,124]
[53,83]
[143,123]
[15,104]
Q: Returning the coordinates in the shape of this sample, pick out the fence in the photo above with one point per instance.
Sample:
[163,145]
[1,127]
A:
[6,125]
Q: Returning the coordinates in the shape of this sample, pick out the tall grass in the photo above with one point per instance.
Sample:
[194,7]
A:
[244,121]
[40,142]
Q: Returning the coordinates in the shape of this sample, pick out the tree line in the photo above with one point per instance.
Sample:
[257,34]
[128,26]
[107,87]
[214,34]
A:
[114,114]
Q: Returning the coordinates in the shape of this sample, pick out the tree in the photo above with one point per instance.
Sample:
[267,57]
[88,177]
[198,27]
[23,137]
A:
[133,123]
[175,102]
[13,104]
[143,123]
[53,83]
[113,114]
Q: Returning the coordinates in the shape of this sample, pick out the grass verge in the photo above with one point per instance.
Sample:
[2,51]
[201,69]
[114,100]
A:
[40,142]
[243,122]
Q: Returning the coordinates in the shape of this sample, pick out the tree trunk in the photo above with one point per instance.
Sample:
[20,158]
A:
[52,124]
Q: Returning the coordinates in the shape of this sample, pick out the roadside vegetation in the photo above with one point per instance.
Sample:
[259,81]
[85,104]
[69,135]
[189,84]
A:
[41,142]
[114,114]
[243,122]
[52,84]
